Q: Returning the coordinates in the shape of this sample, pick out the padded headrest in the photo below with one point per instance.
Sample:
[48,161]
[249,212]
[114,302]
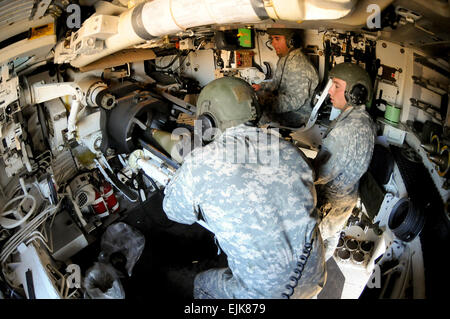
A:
[382,164]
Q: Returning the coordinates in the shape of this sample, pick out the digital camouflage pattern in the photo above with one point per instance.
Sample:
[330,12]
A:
[345,155]
[291,89]
[261,212]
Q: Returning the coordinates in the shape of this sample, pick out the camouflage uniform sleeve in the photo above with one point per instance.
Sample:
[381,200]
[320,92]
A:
[298,82]
[328,162]
[270,86]
[267,86]
[345,151]
[178,203]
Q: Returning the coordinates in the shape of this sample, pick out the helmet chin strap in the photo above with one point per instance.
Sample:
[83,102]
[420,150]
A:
[346,107]
[250,123]
[315,111]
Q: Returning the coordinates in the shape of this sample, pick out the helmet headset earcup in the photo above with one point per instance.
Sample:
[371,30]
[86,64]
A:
[358,95]
[359,84]
[292,36]
[293,41]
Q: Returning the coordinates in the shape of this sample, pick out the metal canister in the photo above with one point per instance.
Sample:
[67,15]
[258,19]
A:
[343,255]
[392,113]
[351,244]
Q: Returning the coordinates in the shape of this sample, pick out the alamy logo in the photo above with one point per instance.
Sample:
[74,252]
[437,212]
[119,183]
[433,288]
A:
[74,279]
[74,19]
[374,19]
[375,278]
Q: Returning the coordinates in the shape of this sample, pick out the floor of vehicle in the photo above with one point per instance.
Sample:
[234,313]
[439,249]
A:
[174,253]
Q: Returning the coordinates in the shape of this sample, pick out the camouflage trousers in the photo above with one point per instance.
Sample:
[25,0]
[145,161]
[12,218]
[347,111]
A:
[219,283]
[214,283]
[335,212]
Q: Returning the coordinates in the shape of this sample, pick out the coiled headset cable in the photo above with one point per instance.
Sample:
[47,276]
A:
[298,270]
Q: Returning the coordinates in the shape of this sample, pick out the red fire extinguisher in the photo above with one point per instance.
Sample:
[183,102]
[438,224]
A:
[100,206]
[109,197]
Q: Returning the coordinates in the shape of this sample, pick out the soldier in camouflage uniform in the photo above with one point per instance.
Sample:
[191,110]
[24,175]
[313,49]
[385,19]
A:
[346,151]
[256,193]
[287,98]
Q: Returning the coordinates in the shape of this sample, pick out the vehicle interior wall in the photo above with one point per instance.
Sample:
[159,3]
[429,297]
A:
[399,60]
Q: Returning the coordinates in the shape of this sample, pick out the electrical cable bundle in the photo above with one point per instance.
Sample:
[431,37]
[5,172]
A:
[28,232]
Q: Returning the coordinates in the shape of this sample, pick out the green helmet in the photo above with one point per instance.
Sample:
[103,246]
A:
[227,102]
[280,31]
[359,86]
[292,36]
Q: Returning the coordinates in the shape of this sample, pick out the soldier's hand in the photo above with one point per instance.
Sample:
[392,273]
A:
[256,87]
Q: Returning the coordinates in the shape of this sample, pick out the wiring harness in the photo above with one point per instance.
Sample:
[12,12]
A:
[32,228]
